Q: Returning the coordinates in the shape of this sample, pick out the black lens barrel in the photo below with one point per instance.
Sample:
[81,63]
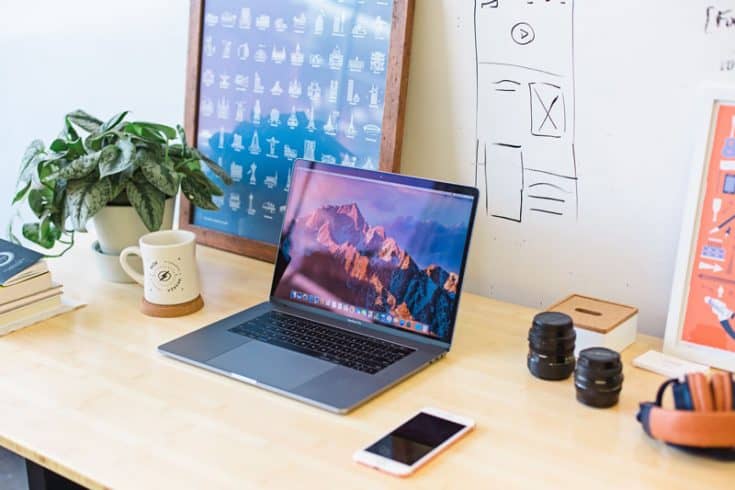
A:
[551,346]
[599,377]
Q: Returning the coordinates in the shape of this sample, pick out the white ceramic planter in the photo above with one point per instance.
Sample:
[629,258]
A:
[108,265]
[120,226]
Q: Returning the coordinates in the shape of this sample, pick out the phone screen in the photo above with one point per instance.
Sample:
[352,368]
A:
[415,439]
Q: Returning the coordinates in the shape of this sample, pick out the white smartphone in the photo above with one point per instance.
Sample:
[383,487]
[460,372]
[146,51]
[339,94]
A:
[413,444]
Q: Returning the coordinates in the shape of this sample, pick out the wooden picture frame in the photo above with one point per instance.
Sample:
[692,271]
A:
[391,133]
[701,319]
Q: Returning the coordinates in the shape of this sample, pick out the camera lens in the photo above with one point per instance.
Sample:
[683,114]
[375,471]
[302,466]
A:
[599,377]
[551,346]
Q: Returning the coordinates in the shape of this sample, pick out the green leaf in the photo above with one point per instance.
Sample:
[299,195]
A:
[22,192]
[75,149]
[31,157]
[201,156]
[113,162]
[177,150]
[113,122]
[48,172]
[81,167]
[203,181]
[182,136]
[45,233]
[139,177]
[192,171]
[216,169]
[84,199]
[38,200]
[148,201]
[144,133]
[32,232]
[215,189]
[58,145]
[85,121]
[49,229]
[169,132]
[94,142]
[59,213]
[162,176]
[198,196]
[118,183]
[68,133]
[35,146]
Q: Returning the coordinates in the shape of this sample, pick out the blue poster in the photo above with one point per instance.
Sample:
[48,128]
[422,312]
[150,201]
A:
[282,80]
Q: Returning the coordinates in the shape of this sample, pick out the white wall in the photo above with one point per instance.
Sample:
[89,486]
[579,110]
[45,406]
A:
[636,82]
[103,57]
[107,56]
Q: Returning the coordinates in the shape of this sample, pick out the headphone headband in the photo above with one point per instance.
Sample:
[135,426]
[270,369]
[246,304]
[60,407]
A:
[705,415]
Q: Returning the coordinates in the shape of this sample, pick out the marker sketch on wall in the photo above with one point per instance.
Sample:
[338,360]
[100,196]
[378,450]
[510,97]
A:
[525,160]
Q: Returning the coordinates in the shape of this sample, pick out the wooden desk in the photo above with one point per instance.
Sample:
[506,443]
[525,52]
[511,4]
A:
[88,396]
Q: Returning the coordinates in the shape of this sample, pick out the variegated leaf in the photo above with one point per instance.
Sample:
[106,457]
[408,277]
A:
[117,184]
[85,121]
[197,195]
[162,176]
[84,199]
[33,154]
[113,122]
[214,167]
[113,162]
[148,201]
[80,168]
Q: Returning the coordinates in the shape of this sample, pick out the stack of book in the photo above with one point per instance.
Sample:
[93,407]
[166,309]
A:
[28,294]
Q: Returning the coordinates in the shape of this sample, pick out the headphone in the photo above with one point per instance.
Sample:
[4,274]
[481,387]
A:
[704,415]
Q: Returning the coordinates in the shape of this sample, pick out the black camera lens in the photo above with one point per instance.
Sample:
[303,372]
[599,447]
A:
[599,377]
[551,346]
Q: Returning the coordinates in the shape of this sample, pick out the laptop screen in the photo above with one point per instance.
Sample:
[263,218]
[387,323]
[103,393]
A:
[380,248]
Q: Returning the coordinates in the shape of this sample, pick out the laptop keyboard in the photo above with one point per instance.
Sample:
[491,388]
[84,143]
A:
[335,345]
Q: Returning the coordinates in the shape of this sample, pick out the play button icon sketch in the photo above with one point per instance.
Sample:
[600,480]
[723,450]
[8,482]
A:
[522,33]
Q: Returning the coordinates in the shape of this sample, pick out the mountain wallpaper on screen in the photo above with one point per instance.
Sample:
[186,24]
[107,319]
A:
[362,265]
[432,242]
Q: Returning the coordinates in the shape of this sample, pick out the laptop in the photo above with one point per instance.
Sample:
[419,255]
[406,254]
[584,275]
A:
[365,290]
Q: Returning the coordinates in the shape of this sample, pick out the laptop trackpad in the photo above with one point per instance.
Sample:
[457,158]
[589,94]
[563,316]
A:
[271,365]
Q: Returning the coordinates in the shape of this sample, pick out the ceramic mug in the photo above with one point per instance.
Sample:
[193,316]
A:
[170,275]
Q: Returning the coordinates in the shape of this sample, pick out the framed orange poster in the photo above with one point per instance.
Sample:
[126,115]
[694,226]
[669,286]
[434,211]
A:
[701,322]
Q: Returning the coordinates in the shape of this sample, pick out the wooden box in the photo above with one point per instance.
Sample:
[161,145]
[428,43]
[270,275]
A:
[600,323]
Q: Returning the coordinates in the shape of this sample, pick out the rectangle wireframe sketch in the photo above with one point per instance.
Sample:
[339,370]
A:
[507,167]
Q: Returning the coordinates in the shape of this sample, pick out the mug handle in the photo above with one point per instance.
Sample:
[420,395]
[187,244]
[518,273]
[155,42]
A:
[126,267]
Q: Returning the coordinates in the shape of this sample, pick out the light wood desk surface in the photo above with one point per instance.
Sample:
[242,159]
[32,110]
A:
[88,396]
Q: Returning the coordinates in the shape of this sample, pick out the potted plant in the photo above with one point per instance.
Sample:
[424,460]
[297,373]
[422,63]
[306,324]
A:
[123,174]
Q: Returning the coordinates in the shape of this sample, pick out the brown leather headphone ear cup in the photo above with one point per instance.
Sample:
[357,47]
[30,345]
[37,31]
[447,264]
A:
[701,392]
[694,429]
[722,392]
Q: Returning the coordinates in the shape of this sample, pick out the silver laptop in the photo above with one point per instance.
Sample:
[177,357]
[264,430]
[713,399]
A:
[365,289]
